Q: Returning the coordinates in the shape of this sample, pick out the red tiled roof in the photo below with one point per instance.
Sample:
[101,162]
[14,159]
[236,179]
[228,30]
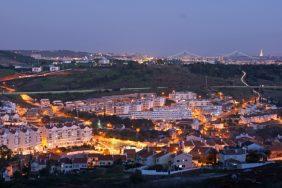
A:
[160,154]
[145,153]
[129,151]
[105,158]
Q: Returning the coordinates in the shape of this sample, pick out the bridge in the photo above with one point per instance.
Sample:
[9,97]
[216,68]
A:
[184,54]
[239,54]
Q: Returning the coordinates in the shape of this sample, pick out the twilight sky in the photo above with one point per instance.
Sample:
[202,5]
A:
[156,27]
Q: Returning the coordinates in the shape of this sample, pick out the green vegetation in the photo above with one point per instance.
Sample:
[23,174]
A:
[9,59]
[194,77]
[125,76]
[6,71]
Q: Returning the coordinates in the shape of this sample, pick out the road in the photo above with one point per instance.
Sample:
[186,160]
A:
[77,91]
[243,78]
[244,82]
[246,85]
[22,76]
[253,87]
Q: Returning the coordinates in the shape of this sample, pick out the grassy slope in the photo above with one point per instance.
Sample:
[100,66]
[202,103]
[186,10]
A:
[177,77]
[6,72]
[8,58]
[191,77]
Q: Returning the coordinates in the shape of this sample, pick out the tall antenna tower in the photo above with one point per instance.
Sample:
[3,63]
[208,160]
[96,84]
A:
[261,53]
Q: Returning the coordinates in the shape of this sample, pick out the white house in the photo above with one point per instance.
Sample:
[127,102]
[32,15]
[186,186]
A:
[251,146]
[145,157]
[234,153]
[182,160]
[36,69]
[54,68]
[162,158]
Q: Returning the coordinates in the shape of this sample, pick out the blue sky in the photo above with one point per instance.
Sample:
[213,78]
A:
[157,27]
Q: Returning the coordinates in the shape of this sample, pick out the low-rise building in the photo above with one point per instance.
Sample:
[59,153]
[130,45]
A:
[182,161]
[251,146]
[36,69]
[199,103]
[257,118]
[180,96]
[54,68]
[231,154]
[163,158]
[145,157]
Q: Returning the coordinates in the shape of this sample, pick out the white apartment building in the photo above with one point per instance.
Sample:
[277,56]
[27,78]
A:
[136,107]
[159,101]
[63,136]
[20,139]
[179,96]
[147,104]
[257,118]
[199,103]
[120,109]
[213,110]
[168,113]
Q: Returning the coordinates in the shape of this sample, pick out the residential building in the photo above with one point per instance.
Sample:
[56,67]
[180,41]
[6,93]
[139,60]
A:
[234,153]
[162,158]
[146,157]
[54,68]
[251,146]
[180,96]
[36,69]
[257,118]
[21,139]
[165,113]
[60,135]
[182,161]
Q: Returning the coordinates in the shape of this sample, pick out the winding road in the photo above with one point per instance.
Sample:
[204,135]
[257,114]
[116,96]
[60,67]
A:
[245,83]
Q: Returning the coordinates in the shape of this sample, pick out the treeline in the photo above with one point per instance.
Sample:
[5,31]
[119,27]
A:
[266,72]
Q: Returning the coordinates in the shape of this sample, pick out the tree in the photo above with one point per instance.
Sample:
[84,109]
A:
[5,156]
[253,157]
[5,152]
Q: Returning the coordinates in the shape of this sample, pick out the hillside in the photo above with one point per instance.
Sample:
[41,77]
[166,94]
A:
[178,77]
[8,58]
[53,53]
